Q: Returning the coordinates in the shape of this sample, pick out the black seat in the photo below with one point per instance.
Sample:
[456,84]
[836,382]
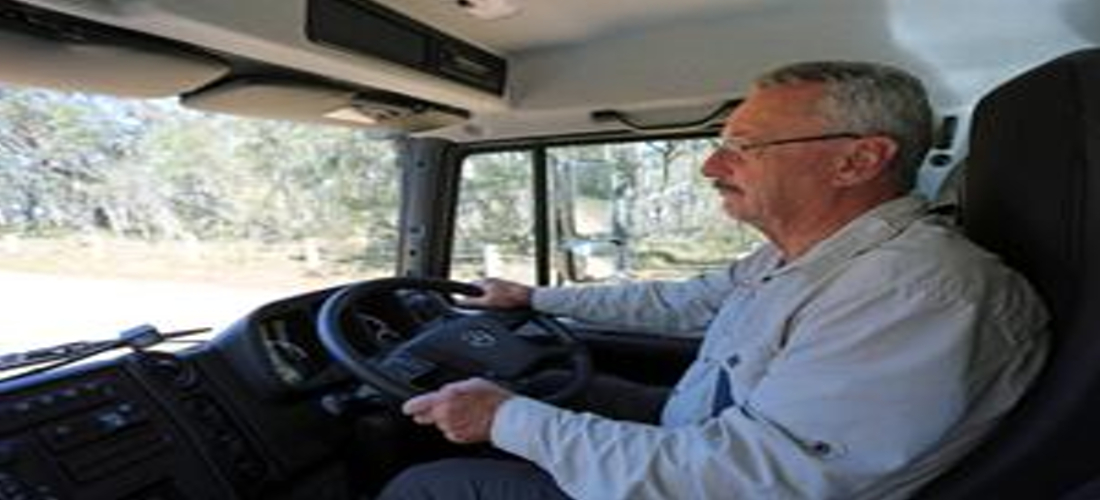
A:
[1032,194]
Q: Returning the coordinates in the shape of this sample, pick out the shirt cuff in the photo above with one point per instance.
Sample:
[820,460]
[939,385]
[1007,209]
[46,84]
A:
[549,300]
[519,422]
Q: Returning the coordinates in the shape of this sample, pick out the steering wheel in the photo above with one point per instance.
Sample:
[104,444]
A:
[509,347]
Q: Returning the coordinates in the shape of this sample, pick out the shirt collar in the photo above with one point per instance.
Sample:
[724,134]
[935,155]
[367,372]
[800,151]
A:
[867,231]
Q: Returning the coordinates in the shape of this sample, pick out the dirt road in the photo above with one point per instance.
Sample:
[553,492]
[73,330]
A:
[37,310]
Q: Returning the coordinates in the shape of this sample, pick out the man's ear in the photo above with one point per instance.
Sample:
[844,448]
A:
[867,161]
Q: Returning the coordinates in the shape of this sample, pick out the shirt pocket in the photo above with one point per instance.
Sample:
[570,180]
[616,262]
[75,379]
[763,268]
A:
[820,447]
[747,368]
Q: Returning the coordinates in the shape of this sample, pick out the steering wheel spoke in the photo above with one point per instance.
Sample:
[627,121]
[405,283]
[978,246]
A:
[510,347]
[408,369]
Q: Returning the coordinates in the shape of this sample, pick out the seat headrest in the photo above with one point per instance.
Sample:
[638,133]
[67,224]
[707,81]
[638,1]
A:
[1032,188]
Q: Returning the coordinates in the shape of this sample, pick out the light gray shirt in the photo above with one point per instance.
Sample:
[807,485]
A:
[858,371]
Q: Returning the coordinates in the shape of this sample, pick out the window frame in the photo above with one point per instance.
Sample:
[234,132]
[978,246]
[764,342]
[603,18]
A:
[538,149]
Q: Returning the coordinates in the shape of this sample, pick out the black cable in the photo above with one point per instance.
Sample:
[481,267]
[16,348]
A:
[623,118]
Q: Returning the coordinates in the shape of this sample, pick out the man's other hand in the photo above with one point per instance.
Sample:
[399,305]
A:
[501,294]
[463,411]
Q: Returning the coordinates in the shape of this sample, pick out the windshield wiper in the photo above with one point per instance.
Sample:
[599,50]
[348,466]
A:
[138,337]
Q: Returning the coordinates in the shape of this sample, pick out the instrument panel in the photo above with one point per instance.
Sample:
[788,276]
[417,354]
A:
[292,353]
[292,348]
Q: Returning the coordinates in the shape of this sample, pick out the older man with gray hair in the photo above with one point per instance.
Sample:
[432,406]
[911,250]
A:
[857,355]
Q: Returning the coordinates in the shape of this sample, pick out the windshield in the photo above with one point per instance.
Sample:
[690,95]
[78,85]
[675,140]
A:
[115,213]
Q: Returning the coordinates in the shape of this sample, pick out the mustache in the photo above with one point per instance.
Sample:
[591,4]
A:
[725,186]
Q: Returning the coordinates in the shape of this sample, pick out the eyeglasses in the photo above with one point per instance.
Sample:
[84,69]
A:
[739,147]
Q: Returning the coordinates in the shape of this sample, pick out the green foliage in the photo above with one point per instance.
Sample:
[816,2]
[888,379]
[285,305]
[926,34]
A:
[70,162]
[149,170]
[646,196]
[649,197]
[495,205]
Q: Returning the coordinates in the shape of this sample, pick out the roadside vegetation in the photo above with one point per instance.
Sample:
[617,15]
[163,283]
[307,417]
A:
[93,185]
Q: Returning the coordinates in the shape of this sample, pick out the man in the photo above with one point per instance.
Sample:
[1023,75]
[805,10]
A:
[858,355]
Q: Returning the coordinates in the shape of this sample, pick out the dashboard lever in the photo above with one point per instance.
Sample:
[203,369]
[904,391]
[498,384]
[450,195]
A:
[362,399]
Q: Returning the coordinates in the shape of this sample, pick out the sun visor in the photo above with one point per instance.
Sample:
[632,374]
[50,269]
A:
[64,55]
[321,102]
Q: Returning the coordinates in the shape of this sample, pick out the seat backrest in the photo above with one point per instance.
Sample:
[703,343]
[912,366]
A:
[1032,195]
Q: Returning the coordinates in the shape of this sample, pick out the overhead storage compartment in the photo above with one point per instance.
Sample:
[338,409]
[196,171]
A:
[367,28]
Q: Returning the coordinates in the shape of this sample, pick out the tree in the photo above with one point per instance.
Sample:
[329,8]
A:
[496,205]
[54,154]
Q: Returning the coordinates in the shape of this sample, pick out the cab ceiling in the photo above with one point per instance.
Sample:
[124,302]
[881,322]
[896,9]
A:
[570,57]
[538,24]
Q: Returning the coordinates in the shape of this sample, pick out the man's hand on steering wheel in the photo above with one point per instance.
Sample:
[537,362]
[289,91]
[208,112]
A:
[500,294]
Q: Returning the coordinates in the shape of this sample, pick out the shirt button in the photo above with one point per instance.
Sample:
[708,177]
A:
[821,448]
[733,361]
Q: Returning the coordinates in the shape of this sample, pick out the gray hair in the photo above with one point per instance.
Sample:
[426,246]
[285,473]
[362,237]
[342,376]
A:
[866,98]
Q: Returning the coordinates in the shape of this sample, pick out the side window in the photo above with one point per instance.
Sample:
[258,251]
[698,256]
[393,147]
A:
[619,211]
[640,210]
[494,229]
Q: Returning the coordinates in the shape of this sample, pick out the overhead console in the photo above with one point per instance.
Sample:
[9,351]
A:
[321,101]
[365,27]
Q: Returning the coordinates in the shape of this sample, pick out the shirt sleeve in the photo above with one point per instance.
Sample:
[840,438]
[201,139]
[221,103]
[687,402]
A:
[592,457]
[867,383]
[656,306]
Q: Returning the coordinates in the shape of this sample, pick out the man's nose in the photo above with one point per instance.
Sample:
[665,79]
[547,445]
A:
[713,166]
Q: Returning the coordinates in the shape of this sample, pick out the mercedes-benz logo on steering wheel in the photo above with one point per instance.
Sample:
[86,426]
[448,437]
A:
[479,338]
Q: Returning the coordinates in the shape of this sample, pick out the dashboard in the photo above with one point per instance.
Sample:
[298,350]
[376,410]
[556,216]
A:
[296,357]
[239,417]
[261,411]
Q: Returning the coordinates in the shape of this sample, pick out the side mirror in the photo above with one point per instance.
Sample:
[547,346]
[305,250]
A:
[594,260]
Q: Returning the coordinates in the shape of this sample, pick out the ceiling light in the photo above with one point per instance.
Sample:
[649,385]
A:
[353,115]
[488,10]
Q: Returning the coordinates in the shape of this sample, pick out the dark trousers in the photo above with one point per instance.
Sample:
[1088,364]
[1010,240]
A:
[497,478]
[473,479]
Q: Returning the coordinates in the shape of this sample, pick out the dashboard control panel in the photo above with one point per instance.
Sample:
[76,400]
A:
[97,436]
